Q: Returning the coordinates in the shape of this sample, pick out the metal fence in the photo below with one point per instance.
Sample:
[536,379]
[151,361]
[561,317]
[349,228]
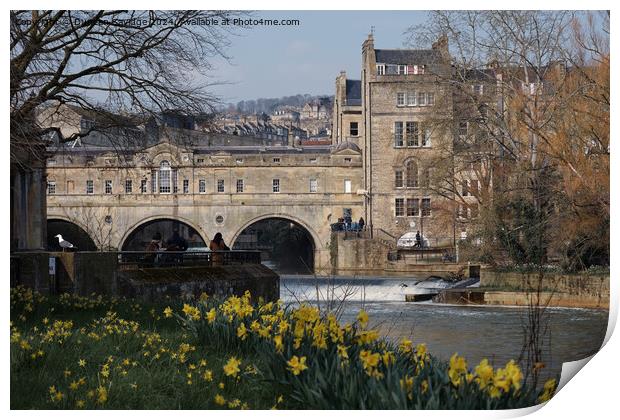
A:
[143,259]
[424,255]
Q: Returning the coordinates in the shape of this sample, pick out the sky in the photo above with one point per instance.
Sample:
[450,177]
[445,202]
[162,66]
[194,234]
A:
[275,61]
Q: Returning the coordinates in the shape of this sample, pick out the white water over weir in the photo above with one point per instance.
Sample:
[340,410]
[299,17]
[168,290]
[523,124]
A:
[376,289]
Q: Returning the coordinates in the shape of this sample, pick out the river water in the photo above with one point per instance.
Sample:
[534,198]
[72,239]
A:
[476,332]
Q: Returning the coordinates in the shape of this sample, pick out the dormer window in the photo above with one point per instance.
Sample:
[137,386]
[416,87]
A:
[380,69]
[402,69]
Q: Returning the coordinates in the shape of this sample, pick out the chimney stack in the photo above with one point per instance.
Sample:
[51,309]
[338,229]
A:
[441,45]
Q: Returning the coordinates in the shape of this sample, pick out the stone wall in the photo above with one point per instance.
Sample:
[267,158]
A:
[358,256]
[157,283]
[580,284]
[30,269]
[546,299]
[84,273]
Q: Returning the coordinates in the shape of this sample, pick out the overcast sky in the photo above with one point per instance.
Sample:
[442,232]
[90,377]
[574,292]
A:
[269,61]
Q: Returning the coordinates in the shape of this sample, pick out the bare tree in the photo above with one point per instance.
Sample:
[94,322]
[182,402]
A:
[516,76]
[531,105]
[98,223]
[121,66]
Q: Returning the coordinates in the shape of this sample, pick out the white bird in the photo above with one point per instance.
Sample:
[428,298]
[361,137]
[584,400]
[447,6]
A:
[64,244]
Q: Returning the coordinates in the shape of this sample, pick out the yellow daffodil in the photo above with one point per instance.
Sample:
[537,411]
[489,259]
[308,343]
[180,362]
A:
[277,340]
[191,311]
[458,368]
[342,352]
[168,312]
[231,368]
[388,358]
[362,318]
[484,373]
[242,331]
[211,315]
[406,346]
[514,373]
[548,391]
[407,385]
[102,395]
[297,365]
[421,350]
[424,386]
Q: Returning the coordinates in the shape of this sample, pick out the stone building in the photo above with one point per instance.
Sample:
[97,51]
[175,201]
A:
[204,182]
[407,114]
[395,131]
[318,109]
[347,120]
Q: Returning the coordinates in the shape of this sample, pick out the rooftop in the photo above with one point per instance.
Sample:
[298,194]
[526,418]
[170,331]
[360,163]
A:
[402,56]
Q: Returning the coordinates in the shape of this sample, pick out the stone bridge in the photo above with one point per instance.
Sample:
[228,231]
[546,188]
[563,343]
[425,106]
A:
[204,192]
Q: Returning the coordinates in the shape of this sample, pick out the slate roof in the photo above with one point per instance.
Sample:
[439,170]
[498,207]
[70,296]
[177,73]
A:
[408,56]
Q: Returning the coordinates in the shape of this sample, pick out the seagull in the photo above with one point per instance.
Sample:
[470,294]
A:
[64,244]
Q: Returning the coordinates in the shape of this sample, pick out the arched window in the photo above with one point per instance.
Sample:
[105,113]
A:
[412,174]
[164,177]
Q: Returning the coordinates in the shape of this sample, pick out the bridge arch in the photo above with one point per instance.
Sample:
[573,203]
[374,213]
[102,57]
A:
[287,243]
[138,235]
[71,231]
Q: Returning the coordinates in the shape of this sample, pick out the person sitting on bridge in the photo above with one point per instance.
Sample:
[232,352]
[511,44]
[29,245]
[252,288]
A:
[152,248]
[217,244]
[176,243]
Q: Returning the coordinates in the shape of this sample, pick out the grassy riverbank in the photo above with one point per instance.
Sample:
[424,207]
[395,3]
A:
[71,352]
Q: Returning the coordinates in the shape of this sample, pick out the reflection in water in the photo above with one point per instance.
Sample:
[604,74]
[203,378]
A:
[475,332]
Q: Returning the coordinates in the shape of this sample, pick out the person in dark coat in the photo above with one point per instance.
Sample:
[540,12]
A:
[176,242]
[418,240]
[361,223]
[347,222]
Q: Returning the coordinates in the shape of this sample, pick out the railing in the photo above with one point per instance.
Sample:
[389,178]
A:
[383,235]
[344,227]
[144,259]
[424,255]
